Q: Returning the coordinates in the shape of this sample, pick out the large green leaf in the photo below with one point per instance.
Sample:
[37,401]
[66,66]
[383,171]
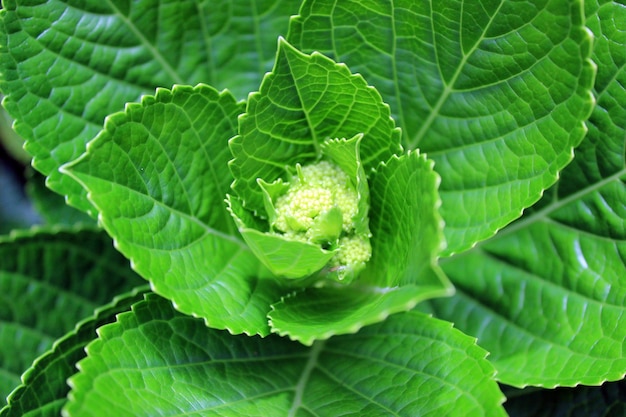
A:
[44,388]
[547,297]
[158,174]
[49,280]
[156,362]
[406,241]
[67,65]
[305,100]
[494,91]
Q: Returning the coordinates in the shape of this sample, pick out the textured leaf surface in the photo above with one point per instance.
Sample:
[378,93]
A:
[67,65]
[305,100]
[319,313]
[609,400]
[285,258]
[44,389]
[410,365]
[406,241]
[547,297]
[158,174]
[494,92]
[49,280]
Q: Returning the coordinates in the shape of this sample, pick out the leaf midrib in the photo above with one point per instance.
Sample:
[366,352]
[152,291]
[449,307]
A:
[545,212]
[449,86]
[311,364]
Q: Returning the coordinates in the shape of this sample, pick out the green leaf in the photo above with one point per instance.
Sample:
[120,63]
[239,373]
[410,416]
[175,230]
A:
[158,175]
[49,280]
[285,258]
[65,67]
[410,365]
[406,241]
[346,154]
[494,92]
[547,297]
[44,388]
[405,224]
[305,100]
[319,313]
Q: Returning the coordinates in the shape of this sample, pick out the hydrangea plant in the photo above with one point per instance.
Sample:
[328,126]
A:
[316,193]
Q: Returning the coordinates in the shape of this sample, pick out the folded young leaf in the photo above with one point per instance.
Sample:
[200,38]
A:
[158,174]
[172,364]
[495,93]
[406,241]
[44,388]
[319,313]
[65,67]
[406,226]
[305,100]
[49,280]
[548,295]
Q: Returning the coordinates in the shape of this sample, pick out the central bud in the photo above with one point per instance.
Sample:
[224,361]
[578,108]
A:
[320,207]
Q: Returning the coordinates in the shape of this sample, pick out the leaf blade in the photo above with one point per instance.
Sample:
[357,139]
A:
[467,87]
[281,378]
[43,390]
[573,241]
[74,65]
[50,279]
[158,174]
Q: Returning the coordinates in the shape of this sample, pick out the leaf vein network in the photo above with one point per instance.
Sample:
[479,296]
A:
[176,77]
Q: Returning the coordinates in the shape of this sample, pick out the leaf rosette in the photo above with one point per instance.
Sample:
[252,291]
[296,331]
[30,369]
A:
[158,174]
[325,198]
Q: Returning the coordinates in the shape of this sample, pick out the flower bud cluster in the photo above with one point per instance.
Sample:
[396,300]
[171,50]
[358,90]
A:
[320,207]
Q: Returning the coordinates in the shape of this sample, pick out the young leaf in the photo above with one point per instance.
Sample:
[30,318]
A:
[44,388]
[346,154]
[66,67]
[49,280]
[406,241]
[495,92]
[548,295]
[285,258]
[158,174]
[305,100]
[172,364]
[319,313]
[405,224]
